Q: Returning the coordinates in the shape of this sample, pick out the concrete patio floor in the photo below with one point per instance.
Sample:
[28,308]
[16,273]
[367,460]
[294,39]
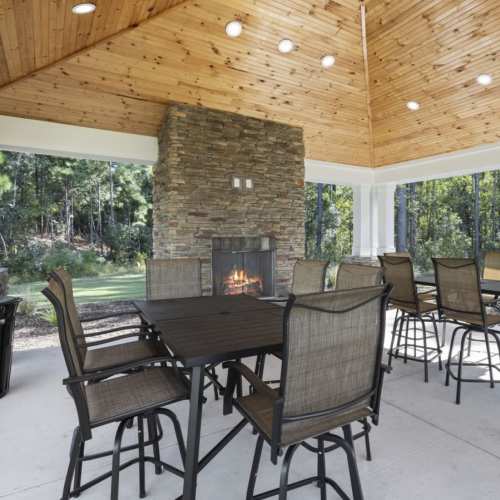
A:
[424,447]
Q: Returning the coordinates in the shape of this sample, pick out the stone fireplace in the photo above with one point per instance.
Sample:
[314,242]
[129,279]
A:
[247,237]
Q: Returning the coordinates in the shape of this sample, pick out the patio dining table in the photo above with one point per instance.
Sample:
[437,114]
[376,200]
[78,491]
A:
[487,286]
[200,331]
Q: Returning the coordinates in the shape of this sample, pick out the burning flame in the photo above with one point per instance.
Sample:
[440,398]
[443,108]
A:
[238,282]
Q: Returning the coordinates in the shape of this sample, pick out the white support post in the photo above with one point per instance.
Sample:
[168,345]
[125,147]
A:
[362,221]
[384,194]
[373,220]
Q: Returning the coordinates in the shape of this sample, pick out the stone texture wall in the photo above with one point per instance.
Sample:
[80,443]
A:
[200,150]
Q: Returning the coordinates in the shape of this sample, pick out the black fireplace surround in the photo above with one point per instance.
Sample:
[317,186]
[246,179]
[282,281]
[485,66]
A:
[244,265]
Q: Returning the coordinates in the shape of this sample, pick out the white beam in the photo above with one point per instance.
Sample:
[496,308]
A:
[36,136]
[337,173]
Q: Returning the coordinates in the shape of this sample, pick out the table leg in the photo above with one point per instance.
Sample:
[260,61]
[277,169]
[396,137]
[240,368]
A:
[194,429]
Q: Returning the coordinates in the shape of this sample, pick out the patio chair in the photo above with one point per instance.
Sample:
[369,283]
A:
[176,279]
[492,265]
[331,376]
[108,396]
[173,278]
[308,277]
[461,302]
[351,276]
[106,352]
[411,307]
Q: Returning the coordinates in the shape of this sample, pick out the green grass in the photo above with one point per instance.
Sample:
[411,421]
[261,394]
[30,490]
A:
[99,289]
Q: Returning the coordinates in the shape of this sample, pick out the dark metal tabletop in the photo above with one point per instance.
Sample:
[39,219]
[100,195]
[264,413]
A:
[204,330]
[487,286]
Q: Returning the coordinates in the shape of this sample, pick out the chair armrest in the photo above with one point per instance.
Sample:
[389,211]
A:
[87,319]
[378,395]
[143,328]
[114,339]
[118,370]
[237,370]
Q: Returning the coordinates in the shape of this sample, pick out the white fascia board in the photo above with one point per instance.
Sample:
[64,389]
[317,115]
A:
[337,173]
[57,139]
[468,161]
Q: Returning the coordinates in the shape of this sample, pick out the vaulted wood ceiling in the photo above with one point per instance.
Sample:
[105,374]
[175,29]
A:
[119,67]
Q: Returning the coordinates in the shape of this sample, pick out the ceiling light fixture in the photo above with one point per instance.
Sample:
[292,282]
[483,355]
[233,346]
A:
[286,46]
[234,29]
[327,61]
[484,79]
[413,105]
[83,8]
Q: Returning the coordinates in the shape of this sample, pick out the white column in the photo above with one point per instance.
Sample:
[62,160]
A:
[373,220]
[362,221]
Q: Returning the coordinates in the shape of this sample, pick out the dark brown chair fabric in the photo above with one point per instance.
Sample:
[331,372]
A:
[397,254]
[309,276]
[351,276]
[173,278]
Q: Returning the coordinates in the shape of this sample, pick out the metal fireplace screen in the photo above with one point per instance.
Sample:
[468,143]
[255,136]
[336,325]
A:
[243,265]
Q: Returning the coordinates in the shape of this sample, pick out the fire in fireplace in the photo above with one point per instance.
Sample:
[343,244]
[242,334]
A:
[238,281]
[243,265]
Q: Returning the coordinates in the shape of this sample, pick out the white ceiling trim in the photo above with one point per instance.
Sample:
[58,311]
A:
[38,136]
[57,139]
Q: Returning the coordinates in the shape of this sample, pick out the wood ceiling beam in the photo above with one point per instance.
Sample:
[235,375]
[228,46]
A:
[96,44]
[364,42]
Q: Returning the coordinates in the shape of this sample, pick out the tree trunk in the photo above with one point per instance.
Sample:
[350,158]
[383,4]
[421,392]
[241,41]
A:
[412,220]
[494,215]
[402,219]
[111,196]
[99,215]
[319,218]
[476,178]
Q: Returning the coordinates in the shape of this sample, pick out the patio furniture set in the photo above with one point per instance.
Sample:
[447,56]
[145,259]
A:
[330,344]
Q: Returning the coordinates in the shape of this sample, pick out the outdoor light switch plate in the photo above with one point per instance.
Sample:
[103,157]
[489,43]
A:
[236,182]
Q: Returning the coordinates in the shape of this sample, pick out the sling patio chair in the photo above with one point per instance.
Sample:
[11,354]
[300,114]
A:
[331,376]
[491,271]
[116,349]
[309,276]
[412,307]
[461,302]
[173,278]
[397,254]
[177,279]
[109,396]
[351,276]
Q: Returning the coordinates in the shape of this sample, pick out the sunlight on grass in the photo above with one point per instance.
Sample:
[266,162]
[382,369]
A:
[98,289]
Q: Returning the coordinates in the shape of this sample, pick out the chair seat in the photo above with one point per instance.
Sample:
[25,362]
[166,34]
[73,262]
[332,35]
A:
[425,307]
[259,407]
[118,398]
[120,354]
[474,319]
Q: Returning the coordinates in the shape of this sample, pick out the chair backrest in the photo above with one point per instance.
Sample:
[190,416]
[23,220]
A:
[309,276]
[332,352]
[459,287]
[71,352]
[398,271]
[397,254]
[492,265]
[351,276]
[173,278]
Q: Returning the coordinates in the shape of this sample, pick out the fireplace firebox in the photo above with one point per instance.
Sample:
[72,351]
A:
[243,265]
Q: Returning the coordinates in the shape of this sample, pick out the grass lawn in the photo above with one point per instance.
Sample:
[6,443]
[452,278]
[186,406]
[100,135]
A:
[102,288]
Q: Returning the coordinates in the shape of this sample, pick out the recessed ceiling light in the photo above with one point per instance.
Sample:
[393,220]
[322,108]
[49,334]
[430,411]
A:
[484,79]
[327,61]
[234,29]
[286,46]
[413,105]
[83,8]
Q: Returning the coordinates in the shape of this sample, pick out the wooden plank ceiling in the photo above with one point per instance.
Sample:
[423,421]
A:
[119,67]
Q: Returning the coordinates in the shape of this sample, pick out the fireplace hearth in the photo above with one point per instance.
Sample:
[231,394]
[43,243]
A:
[243,265]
